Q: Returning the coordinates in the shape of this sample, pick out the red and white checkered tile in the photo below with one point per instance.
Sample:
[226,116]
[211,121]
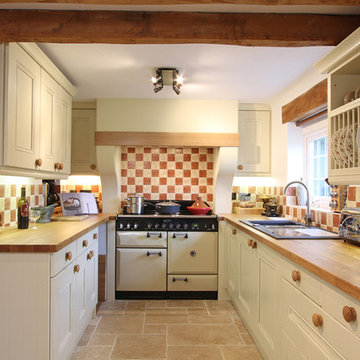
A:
[167,173]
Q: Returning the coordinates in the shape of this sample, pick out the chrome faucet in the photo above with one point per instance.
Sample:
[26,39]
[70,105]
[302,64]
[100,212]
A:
[308,217]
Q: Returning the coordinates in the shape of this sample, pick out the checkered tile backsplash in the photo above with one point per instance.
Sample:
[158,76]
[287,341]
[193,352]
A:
[167,173]
[9,196]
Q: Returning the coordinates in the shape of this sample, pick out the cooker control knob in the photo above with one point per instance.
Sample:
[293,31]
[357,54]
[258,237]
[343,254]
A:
[212,226]
[149,226]
[186,226]
[163,226]
[171,226]
[178,226]
[156,226]
[121,226]
[136,226]
[128,226]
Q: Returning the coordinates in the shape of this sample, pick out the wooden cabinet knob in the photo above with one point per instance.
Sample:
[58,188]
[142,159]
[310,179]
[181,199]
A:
[240,167]
[68,256]
[90,255]
[92,166]
[76,268]
[57,166]
[349,314]
[254,244]
[38,162]
[317,320]
[95,236]
[250,242]
[85,243]
[61,166]
[234,231]
[296,276]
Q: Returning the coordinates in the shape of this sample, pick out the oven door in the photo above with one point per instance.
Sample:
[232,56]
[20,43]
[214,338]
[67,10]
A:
[141,269]
[192,252]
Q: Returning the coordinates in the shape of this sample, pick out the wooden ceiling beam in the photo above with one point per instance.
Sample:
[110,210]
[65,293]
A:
[190,2]
[121,27]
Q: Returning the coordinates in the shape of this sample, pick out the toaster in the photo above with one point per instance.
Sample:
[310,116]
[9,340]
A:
[349,228]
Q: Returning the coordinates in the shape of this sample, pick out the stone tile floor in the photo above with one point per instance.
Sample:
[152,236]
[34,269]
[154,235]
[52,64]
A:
[166,330]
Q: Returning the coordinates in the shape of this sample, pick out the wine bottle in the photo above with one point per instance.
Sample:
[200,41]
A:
[23,210]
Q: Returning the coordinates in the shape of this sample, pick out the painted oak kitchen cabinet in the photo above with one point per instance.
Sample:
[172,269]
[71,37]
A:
[48,299]
[291,313]
[36,124]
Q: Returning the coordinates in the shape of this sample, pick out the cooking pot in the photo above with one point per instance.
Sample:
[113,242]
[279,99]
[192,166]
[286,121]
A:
[198,207]
[135,204]
[167,207]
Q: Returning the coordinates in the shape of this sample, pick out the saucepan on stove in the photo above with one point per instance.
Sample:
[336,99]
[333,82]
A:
[135,204]
[166,207]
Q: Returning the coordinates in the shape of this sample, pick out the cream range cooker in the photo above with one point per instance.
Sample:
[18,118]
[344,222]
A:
[166,256]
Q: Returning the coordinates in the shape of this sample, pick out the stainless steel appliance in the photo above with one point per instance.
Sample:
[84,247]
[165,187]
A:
[349,228]
[166,256]
[135,204]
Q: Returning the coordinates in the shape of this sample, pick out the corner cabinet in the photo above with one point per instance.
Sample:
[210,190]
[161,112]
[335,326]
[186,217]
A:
[343,68]
[83,154]
[290,312]
[53,302]
[37,114]
[254,156]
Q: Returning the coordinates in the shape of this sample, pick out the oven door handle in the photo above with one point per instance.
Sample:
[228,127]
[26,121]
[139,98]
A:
[159,234]
[185,235]
[148,253]
[180,278]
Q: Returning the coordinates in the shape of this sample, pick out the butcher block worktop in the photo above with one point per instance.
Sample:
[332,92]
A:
[49,237]
[334,261]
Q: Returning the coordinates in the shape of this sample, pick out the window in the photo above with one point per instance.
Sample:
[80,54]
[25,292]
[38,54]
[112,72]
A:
[316,163]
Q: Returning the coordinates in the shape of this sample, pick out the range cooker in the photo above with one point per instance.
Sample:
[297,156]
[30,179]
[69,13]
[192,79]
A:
[166,256]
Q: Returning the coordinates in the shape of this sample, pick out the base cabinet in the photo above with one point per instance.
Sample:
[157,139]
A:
[291,317]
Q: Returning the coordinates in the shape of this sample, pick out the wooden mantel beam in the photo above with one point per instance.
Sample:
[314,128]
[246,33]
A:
[132,27]
[190,2]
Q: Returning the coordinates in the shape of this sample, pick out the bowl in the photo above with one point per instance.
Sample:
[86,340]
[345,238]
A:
[198,211]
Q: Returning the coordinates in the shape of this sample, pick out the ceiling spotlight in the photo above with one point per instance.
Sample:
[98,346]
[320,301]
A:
[167,76]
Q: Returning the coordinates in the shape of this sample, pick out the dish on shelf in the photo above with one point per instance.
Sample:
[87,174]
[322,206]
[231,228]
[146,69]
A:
[335,151]
[357,93]
[350,96]
[358,138]
[345,160]
[349,145]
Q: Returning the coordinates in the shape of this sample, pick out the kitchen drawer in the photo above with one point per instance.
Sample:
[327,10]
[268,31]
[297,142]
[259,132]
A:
[192,282]
[63,258]
[307,284]
[141,239]
[334,301]
[331,340]
[86,241]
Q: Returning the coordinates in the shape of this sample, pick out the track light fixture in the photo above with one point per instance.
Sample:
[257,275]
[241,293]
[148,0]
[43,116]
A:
[167,76]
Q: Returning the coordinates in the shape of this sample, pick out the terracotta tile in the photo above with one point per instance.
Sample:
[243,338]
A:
[194,165]
[7,203]
[13,215]
[155,329]
[163,150]
[139,173]
[210,197]
[87,335]
[163,165]
[147,181]
[155,173]
[194,150]
[194,181]
[163,181]
[203,189]
[210,166]
[203,173]
[194,353]
[179,197]
[2,190]
[323,218]
[179,165]
[178,181]
[336,220]
[124,157]
[131,150]
[240,353]
[203,157]
[147,164]
[139,157]
[171,157]
[147,150]
[210,150]
[187,173]
[92,353]
[155,189]
[114,324]
[124,189]
[352,193]
[13,190]
[171,173]
[131,181]
[163,197]
[155,157]
[102,340]
[203,335]
[2,218]
[131,164]
[139,347]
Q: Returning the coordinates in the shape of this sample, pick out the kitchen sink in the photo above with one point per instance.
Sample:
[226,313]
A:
[287,229]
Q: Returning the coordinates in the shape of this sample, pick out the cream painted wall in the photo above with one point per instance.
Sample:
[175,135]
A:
[287,161]
[167,115]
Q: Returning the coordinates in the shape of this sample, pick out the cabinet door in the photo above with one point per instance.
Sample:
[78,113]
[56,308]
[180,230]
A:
[254,156]
[247,278]
[92,277]
[63,130]
[62,329]
[288,349]
[21,130]
[81,314]
[48,118]
[83,153]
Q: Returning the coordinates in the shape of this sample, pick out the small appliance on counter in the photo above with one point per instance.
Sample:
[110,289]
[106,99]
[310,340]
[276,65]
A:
[349,228]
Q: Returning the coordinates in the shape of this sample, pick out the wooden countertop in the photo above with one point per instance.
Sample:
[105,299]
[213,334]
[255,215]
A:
[50,237]
[334,261]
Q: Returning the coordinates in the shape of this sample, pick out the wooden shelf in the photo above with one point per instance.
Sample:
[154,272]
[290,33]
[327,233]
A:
[111,138]
[346,107]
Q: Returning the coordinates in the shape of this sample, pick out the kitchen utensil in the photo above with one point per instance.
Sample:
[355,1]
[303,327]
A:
[198,207]
[167,207]
[135,204]
[45,212]
[34,215]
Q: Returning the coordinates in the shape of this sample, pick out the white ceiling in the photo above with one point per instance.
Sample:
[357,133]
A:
[210,71]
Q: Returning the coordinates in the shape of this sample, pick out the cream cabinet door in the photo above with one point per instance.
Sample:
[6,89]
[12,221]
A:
[83,151]
[22,109]
[63,130]
[62,329]
[254,157]
[92,277]
[48,119]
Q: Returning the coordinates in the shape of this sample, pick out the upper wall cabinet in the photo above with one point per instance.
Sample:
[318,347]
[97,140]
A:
[343,67]
[37,118]
[83,150]
[254,157]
